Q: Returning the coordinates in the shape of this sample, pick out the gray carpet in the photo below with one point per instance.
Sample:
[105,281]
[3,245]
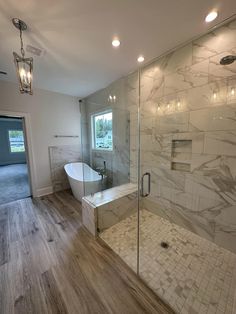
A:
[14,183]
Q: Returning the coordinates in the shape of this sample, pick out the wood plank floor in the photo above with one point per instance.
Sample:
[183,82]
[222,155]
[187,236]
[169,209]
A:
[50,264]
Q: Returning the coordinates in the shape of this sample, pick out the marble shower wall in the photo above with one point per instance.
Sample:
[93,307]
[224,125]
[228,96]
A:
[118,160]
[60,156]
[188,136]
[85,146]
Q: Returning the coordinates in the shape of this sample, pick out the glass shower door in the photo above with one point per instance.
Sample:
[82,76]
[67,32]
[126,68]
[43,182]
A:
[117,215]
[110,149]
[172,258]
[163,243]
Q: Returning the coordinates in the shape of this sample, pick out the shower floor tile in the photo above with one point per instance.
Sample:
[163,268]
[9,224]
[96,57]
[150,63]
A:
[193,275]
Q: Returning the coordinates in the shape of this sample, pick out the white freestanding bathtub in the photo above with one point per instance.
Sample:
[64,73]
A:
[83,179]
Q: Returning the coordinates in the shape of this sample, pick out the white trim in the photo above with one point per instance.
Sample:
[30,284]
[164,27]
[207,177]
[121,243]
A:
[44,191]
[28,146]
[102,149]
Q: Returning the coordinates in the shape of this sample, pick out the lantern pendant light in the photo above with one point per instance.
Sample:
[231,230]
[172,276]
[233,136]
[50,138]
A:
[24,66]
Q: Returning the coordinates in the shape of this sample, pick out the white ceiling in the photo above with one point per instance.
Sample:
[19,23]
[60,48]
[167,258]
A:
[76,36]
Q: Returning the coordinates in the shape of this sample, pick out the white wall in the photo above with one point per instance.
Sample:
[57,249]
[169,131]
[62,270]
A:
[50,114]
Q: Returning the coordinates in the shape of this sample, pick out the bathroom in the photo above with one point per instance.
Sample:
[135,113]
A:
[130,151]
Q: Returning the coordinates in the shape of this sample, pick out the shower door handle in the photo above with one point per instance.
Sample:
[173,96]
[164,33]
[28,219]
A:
[149,184]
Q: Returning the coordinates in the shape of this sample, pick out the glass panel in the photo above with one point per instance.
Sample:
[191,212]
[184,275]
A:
[16,141]
[184,170]
[110,156]
[187,220]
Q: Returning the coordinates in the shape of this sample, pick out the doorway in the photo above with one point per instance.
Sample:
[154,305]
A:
[14,170]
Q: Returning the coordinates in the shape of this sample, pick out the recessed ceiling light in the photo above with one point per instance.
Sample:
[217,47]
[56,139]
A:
[140,59]
[211,16]
[116,42]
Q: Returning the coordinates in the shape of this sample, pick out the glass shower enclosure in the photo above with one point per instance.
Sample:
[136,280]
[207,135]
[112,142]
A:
[170,175]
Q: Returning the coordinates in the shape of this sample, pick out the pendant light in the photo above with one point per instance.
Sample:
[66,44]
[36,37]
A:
[24,66]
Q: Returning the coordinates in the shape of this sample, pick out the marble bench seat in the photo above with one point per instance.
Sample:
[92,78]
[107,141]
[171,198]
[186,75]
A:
[104,209]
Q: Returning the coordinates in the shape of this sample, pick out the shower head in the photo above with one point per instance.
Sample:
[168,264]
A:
[227,60]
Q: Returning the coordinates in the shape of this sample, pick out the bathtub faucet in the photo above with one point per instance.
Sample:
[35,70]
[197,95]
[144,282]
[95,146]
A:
[102,171]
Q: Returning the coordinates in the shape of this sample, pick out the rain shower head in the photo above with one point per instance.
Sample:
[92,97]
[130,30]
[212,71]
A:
[227,60]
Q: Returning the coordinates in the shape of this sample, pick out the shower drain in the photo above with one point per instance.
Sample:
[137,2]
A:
[164,244]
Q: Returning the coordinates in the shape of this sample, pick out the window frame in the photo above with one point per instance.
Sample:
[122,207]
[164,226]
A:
[9,142]
[93,141]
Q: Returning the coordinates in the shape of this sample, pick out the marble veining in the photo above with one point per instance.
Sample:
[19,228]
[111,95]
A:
[196,102]
[104,209]
[89,216]
[118,159]
[103,197]
[60,156]
[214,42]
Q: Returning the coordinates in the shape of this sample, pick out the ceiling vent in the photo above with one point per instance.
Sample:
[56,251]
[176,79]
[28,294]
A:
[35,51]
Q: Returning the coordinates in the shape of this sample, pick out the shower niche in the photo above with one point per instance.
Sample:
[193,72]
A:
[181,153]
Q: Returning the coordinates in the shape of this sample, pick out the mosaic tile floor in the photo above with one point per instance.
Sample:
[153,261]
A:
[192,275]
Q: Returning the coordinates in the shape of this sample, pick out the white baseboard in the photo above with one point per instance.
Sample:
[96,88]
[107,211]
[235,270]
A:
[44,191]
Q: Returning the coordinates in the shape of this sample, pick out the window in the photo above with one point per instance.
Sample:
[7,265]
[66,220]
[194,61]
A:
[102,130]
[16,141]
